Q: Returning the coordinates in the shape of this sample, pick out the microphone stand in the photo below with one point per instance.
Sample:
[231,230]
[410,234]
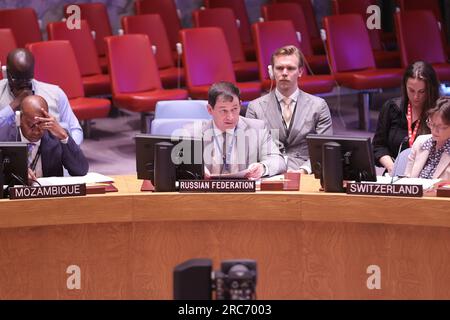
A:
[396,158]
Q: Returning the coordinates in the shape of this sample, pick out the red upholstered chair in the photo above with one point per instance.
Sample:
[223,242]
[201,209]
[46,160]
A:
[240,12]
[136,85]
[271,35]
[433,5]
[420,39]
[204,67]
[294,13]
[224,18]
[383,58]
[55,63]
[153,27]
[352,62]
[24,24]
[94,81]
[311,23]
[7,43]
[96,15]
[167,9]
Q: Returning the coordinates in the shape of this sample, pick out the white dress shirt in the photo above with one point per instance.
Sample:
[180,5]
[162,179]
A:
[217,152]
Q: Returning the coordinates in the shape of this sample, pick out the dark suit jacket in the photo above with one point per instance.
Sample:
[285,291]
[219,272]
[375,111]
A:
[55,155]
[392,128]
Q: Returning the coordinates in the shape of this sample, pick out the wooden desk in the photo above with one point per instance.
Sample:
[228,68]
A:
[308,245]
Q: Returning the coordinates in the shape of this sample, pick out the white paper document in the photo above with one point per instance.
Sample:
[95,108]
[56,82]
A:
[236,175]
[91,177]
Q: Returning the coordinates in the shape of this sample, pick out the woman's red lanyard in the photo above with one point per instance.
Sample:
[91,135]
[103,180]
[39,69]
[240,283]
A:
[411,134]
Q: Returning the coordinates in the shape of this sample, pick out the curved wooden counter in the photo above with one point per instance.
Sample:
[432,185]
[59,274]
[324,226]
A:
[308,244]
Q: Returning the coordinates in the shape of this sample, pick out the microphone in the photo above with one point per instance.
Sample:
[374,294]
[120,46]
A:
[179,48]
[4,74]
[398,152]
[17,118]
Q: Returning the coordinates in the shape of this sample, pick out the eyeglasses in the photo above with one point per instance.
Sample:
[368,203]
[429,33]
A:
[18,80]
[432,126]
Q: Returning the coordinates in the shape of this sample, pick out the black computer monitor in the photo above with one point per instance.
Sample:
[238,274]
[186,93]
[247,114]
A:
[187,153]
[358,163]
[13,164]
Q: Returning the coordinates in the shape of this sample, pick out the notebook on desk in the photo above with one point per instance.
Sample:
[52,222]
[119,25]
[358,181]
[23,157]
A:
[96,183]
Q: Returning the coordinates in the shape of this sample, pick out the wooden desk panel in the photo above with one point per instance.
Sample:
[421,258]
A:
[307,245]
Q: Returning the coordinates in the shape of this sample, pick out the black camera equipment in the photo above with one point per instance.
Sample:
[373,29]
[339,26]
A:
[195,280]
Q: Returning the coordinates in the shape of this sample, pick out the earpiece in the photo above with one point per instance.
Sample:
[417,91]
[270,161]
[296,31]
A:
[270,71]
[323,35]
[179,47]
[17,119]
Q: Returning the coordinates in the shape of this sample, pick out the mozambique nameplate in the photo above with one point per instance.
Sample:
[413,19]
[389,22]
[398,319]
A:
[227,185]
[377,189]
[70,190]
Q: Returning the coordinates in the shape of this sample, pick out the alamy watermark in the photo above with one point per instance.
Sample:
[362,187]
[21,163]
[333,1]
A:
[374,20]
[74,280]
[374,280]
[243,140]
[73,20]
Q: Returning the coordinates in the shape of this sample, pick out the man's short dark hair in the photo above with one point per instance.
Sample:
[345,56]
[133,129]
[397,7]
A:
[224,89]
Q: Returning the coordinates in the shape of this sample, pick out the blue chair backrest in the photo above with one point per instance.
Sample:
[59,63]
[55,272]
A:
[166,127]
[182,109]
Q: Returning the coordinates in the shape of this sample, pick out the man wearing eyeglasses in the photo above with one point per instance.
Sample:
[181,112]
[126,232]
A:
[20,84]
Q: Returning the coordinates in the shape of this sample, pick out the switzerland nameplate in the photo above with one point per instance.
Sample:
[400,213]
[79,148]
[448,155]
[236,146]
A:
[377,189]
[70,190]
[217,185]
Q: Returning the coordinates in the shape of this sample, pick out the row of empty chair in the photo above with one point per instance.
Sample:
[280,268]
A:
[98,18]
[203,68]
[51,57]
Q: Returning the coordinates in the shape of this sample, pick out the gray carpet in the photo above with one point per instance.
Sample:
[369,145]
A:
[111,150]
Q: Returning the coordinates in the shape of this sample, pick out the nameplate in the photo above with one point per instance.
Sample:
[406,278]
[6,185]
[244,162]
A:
[377,189]
[70,190]
[217,186]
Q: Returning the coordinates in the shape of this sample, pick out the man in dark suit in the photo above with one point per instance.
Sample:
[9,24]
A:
[289,112]
[50,147]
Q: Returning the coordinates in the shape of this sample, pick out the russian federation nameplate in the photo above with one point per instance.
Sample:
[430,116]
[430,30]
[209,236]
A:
[217,185]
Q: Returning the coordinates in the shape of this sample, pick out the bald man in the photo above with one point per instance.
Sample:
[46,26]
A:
[50,147]
[20,84]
